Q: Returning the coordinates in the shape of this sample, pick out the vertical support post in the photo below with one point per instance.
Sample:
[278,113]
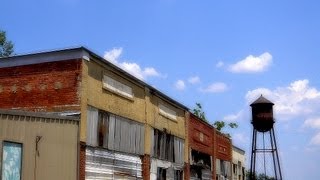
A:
[276,151]
[273,149]
[253,155]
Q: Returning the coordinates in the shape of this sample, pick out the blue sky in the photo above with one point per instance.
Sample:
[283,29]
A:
[223,54]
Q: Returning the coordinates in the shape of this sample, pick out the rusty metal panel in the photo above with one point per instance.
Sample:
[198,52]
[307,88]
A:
[104,164]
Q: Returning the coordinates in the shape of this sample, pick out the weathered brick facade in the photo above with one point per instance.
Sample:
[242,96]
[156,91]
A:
[223,147]
[200,135]
[146,167]
[201,138]
[82,161]
[51,86]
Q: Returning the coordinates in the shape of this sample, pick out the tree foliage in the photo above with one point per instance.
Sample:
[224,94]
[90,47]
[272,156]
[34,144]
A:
[219,125]
[260,176]
[6,47]
[199,112]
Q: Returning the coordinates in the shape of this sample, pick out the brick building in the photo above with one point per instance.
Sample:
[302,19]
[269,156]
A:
[200,149]
[223,156]
[126,125]
[128,129]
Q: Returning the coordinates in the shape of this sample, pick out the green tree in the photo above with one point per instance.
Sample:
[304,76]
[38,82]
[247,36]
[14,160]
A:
[219,125]
[199,112]
[6,47]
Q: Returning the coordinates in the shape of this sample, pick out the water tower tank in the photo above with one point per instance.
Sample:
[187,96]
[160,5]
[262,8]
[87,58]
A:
[262,114]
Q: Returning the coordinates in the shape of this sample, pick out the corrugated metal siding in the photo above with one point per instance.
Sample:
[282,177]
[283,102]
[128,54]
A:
[104,164]
[58,146]
[206,174]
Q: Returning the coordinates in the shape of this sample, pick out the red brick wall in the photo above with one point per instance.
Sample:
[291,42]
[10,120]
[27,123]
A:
[200,135]
[146,165]
[82,162]
[186,171]
[52,86]
[223,147]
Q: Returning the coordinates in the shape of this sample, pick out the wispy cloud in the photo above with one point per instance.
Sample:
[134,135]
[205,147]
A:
[133,68]
[180,85]
[220,64]
[316,139]
[252,64]
[312,123]
[234,117]
[216,87]
[194,80]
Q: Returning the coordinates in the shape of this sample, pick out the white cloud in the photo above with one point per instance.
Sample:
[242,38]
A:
[133,68]
[217,87]
[234,117]
[220,64]
[180,85]
[194,80]
[150,71]
[294,100]
[312,123]
[316,139]
[252,64]
[113,55]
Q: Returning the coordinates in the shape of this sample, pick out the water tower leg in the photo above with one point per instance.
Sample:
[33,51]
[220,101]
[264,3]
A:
[275,155]
[253,155]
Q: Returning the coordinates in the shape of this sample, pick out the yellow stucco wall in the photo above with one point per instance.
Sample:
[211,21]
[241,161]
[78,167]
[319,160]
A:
[95,95]
[143,107]
[158,121]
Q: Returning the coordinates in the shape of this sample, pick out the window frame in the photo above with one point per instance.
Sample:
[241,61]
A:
[2,153]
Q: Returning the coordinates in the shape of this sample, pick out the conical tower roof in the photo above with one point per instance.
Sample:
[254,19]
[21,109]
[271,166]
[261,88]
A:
[261,100]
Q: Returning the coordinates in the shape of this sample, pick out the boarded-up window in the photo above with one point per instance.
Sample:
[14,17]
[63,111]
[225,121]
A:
[117,86]
[126,135]
[168,147]
[103,129]
[92,126]
[167,112]
[114,132]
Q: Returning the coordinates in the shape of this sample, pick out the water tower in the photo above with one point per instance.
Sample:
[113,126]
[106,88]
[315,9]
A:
[264,156]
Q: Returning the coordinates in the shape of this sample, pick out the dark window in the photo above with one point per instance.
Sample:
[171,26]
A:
[103,129]
[161,174]
[163,146]
[178,175]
